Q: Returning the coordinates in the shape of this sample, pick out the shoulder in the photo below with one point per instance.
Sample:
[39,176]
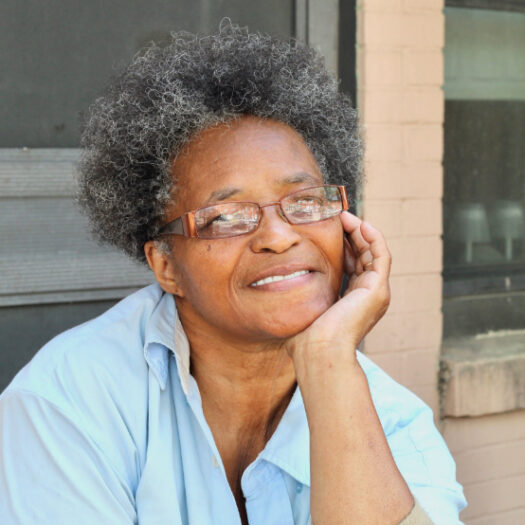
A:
[85,395]
[93,376]
[395,404]
[110,345]
[405,418]
[418,448]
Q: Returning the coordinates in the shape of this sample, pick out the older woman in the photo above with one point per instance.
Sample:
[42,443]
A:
[230,392]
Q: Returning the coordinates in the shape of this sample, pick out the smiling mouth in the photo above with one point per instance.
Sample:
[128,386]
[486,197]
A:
[276,278]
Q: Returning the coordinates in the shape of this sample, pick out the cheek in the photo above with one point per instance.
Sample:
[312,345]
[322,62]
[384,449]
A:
[205,270]
[337,259]
[332,247]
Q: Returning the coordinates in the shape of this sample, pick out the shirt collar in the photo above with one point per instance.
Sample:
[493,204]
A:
[164,333]
[289,446]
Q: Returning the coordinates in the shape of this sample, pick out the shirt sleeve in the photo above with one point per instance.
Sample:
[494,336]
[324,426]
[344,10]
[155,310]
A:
[427,466]
[420,452]
[52,472]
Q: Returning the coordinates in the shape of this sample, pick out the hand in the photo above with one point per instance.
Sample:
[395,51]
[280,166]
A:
[367,263]
[349,452]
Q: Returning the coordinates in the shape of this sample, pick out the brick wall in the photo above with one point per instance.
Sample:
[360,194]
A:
[400,98]
[400,74]
[490,458]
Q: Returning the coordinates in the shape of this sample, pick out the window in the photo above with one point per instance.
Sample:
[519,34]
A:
[484,166]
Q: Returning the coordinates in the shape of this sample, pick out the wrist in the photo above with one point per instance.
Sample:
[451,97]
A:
[320,350]
[333,395]
[321,363]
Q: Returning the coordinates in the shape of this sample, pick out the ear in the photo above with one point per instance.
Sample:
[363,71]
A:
[162,265]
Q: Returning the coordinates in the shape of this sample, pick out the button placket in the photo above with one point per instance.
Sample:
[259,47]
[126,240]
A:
[267,499]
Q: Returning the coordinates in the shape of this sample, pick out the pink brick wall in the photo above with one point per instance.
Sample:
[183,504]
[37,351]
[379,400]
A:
[400,73]
[400,99]
[490,458]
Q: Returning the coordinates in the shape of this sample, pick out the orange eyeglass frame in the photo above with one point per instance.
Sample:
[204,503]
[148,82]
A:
[185,224]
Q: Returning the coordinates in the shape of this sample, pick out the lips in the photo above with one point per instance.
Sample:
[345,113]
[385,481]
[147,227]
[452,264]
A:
[277,278]
[280,273]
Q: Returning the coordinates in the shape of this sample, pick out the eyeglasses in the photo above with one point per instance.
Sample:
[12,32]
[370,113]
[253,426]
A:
[238,218]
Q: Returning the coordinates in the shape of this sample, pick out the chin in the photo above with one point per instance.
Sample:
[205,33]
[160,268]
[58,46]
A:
[295,319]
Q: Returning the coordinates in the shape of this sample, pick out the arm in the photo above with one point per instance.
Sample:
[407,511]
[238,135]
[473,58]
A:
[354,478]
[353,475]
[52,472]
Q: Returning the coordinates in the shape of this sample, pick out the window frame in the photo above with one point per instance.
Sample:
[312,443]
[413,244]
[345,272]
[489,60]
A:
[488,278]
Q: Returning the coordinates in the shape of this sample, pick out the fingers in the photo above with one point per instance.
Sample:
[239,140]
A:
[367,295]
[367,243]
[381,258]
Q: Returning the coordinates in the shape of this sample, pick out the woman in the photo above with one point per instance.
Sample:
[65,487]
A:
[218,161]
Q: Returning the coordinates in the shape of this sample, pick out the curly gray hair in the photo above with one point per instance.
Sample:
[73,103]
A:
[168,94]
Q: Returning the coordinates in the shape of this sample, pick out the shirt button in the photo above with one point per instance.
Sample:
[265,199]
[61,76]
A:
[299,488]
[214,461]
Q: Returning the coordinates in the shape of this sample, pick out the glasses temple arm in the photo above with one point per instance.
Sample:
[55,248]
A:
[344,198]
[176,226]
[183,225]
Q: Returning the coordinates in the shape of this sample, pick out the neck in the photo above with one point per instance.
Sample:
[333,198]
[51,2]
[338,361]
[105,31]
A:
[249,383]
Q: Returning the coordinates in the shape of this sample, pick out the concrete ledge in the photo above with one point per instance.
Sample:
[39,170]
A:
[484,374]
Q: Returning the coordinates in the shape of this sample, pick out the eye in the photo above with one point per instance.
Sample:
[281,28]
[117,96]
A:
[217,219]
[308,200]
[305,203]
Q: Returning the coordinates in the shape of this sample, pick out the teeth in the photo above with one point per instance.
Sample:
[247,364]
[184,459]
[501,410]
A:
[275,278]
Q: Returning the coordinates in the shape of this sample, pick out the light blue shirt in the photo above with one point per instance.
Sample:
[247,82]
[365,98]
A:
[105,426]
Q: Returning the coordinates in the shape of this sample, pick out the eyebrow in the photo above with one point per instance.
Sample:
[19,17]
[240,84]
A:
[226,193]
[222,194]
[298,178]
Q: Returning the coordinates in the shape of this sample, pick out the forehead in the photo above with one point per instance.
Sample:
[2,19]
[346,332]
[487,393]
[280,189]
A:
[259,158]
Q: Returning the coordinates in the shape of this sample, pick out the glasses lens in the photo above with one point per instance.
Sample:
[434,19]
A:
[226,220]
[313,204]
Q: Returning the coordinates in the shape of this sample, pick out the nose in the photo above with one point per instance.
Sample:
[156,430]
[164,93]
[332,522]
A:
[274,234]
